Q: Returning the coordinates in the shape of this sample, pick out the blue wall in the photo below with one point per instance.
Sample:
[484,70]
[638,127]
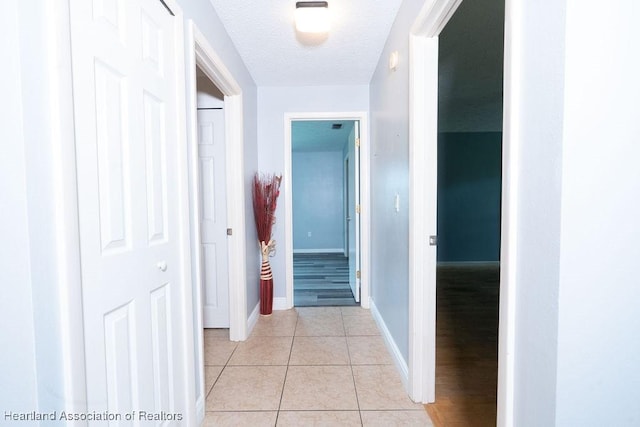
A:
[469,181]
[318,200]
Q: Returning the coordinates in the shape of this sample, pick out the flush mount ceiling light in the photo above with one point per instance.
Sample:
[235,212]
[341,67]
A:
[312,16]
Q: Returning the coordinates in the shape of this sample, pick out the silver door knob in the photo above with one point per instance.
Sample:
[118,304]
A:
[162,265]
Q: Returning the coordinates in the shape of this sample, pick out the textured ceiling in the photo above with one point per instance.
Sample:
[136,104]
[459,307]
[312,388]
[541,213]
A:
[471,68]
[317,135]
[276,55]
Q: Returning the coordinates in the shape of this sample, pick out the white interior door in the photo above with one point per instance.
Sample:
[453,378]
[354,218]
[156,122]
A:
[126,98]
[353,194]
[213,218]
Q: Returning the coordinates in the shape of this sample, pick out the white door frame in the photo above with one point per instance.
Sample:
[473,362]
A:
[423,184]
[365,214]
[61,257]
[203,55]
[423,176]
[345,203]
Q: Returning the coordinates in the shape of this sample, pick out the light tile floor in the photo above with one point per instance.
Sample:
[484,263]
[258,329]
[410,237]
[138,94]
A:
[309,366]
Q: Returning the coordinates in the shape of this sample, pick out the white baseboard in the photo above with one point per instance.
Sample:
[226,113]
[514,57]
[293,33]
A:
[280,303]
[396,355]
[253,319]
[319,251]
[463,264]
[200,409]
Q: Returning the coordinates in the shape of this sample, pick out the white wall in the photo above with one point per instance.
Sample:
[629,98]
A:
[318,200]
[537,53]
[273,103]
[577,324]
[17,360]
[598,312]
[41,275]
[390,176]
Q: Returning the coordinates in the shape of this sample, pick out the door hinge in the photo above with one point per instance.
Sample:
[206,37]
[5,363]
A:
[358,142]
[358,274]
[433,240]
[229,231]
[357,209]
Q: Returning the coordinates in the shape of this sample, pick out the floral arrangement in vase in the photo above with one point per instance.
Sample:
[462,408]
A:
[266,189]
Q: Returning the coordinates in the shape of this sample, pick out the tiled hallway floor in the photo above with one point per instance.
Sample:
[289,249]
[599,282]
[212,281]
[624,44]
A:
[322,366]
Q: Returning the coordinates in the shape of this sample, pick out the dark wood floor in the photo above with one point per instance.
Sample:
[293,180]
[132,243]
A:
[466,347]
[321,280]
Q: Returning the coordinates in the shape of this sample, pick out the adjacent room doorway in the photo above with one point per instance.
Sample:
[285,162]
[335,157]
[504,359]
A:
[321,221]
[325,182]
[470,82]
[427,137]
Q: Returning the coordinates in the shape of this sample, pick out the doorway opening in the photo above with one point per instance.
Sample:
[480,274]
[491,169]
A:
[325,196]
[209,79]
[462,155]
[212,212]
[355,126]
[470,115]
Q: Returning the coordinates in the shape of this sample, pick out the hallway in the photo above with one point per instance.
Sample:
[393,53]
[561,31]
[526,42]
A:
[306,366]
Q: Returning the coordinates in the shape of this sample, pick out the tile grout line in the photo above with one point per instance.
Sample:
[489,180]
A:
[350,355]
[219,374]
[286,372]
[353,377]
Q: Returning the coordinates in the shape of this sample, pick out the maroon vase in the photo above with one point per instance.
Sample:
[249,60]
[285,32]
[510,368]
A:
[266,287]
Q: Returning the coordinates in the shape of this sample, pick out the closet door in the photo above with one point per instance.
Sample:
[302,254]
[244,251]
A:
[127,100]
[213,218]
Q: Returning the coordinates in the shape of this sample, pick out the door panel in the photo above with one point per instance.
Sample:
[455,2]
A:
[162,346]
[112,147]
[125,79]
[213,218]
[121,357]
[155,144]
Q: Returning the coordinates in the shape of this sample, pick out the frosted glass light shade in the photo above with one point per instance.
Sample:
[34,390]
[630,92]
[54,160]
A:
[312,17]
